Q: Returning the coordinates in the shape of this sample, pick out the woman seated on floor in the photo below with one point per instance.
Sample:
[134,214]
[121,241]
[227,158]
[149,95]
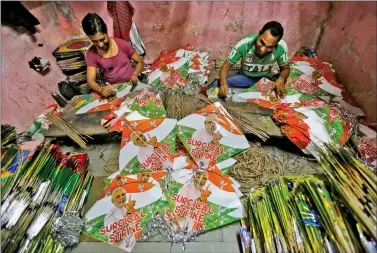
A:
[111,55]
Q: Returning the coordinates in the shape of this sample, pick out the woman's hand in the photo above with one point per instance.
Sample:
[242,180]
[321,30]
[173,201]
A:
[107,91]
[134,79]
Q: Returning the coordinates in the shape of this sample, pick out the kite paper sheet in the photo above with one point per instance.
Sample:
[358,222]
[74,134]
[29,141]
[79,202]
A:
[120,216]
[211,136]
[202,199]
[152,177]
[147,145]
[147,104]
[95,103]
[262,94]
[182,159]
[179,69]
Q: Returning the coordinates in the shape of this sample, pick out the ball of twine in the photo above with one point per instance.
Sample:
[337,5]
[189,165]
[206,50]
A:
[254,168]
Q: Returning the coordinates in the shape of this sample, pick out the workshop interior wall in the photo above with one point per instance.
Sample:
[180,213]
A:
[349,43]
[213,26]
[217,26]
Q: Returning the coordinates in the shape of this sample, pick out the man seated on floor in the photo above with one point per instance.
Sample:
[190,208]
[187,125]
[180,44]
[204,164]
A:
[259,52]
[112,55]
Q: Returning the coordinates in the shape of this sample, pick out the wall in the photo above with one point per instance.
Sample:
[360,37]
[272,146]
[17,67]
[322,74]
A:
[25,93]
[349,43]
[217,26]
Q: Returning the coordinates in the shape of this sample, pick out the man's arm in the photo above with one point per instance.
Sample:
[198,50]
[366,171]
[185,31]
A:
[284,73]
[223,75]
[91,80]
[139,66]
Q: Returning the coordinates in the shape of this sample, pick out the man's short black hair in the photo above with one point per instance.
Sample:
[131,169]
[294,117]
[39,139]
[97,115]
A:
[92,24]
[275,28]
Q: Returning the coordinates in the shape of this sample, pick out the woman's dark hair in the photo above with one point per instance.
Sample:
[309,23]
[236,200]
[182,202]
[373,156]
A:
[92,24]
[275,28]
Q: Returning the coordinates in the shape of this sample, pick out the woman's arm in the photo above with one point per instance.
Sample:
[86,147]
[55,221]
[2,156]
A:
[91,80]
[139,66]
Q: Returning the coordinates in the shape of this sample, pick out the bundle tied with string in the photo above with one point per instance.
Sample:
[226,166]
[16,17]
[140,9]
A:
[73,132]
[254,168]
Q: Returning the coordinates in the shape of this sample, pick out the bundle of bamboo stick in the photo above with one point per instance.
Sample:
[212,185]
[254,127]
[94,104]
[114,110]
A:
[73,132]
[355,184]
[48,182]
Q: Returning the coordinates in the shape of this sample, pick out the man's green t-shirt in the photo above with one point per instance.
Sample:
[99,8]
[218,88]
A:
[252,65]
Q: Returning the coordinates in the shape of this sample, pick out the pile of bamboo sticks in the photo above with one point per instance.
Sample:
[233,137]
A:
[73,132]
[47,183]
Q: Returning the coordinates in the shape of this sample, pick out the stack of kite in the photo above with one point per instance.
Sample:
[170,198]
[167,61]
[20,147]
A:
[38,193]
[182,69]
[70,57]
[307,114]
[181,191]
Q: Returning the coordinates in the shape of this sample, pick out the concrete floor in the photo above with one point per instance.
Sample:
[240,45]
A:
[216,241]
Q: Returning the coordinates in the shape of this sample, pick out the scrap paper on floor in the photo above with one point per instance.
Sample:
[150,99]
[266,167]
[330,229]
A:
[147,145]
[211,136]
[120,215]
[202,199]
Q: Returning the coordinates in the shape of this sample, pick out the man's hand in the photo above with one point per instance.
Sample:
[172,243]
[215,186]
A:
[280,89]
[134,79]
[223,90]
[107,91]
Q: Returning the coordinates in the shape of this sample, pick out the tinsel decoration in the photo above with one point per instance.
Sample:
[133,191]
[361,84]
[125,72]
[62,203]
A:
[67,228]
[194,84]
[348,116]
[158,225]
